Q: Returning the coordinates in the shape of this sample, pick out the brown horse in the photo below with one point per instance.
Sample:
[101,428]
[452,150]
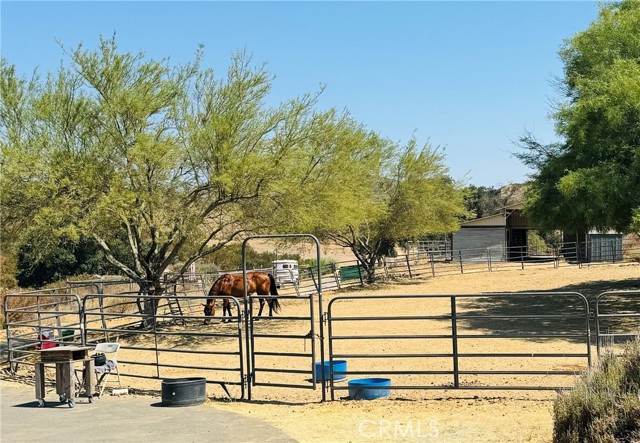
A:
[231,284]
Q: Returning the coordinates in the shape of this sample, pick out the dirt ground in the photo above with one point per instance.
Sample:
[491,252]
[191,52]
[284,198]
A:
[435,415]
[447,416]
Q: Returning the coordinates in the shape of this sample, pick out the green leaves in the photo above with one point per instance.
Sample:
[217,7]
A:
[591,180]
[173,162]
[410,195]
[160,165]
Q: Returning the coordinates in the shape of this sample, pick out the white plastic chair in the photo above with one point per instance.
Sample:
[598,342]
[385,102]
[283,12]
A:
[110,350]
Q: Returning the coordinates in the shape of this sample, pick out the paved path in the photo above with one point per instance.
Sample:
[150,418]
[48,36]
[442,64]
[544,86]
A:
[122,419]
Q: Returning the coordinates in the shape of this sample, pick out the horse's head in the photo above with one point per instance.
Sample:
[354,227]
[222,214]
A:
[209,311]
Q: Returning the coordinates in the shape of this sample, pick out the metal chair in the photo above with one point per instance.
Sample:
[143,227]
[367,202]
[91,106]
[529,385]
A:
[103,372]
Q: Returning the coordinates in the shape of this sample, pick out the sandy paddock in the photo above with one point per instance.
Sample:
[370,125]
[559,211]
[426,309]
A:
[435,415]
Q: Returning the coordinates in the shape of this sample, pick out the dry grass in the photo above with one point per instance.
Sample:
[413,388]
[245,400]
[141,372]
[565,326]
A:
[605,404]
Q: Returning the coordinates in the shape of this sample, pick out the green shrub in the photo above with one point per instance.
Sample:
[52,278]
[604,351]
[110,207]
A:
[229,258]
[605,404]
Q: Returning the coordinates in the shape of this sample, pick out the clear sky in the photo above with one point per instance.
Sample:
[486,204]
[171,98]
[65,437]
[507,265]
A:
[469,76]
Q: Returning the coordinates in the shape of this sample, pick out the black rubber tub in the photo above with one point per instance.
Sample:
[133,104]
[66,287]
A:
[184,391]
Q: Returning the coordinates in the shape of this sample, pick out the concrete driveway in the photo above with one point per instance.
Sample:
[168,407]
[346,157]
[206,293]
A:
[122,419]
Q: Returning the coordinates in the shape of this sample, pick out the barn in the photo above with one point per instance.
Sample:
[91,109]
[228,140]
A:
[502,235]
[505,237]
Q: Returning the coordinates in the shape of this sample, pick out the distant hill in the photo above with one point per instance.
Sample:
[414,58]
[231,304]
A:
[511,194]
[483,201]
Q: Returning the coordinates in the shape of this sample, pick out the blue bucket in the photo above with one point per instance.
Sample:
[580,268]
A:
[338,366]
[369,388]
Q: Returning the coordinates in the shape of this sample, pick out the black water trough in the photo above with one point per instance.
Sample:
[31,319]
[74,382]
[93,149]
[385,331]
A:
[184,391]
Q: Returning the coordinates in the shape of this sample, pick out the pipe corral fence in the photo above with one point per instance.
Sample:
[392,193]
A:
[617,318]
[457,322]
[247,350]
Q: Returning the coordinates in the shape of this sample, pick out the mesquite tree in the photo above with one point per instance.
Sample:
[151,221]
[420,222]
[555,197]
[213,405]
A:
[410,195]
[174,162]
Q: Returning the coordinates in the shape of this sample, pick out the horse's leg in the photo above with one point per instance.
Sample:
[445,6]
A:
[270,307]
[227,308]
[261,306]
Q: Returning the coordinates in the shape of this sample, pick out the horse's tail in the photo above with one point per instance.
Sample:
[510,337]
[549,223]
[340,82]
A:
[273,287]
[275,304]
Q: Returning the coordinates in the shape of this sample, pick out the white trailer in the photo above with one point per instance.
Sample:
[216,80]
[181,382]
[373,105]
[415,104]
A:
[285,271]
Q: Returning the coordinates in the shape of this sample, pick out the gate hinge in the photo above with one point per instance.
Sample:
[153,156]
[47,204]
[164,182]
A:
[325,317]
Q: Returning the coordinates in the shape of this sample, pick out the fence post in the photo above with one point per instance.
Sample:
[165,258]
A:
[313,278]
[454,342]
[460,258]
[386,271]
[613,252]
[522,258]
[433,266]
[409,266]
[578,254]
[359,273]
[489,259]
[335,274]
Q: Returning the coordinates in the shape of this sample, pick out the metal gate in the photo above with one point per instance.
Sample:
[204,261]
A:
[153,349]
[277,349]
[40,319]
[270,353]
[455,327]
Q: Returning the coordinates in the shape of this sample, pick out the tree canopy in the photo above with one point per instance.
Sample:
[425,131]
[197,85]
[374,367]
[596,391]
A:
[590,179]
[174,160]
[160,165]
[411,195]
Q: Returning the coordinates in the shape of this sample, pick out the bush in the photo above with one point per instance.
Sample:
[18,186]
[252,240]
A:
[605,404]
[631,247]
[7,272]
[38,265]
[229,258]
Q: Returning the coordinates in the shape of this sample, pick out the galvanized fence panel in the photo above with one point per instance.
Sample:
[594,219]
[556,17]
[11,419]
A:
[152,344]
[617,318]
[444,354]
[40,319]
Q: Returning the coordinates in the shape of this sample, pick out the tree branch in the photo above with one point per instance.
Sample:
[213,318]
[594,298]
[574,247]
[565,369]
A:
[115,262]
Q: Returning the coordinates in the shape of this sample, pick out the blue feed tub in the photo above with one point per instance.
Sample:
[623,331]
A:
[369,388]
[338,366]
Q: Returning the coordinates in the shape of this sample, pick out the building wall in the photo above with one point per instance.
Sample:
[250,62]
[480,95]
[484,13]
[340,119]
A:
[474,242]
[518,220]
[604,247]
[492,221]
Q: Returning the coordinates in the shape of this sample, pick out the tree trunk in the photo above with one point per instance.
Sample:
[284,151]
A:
[153,289]
[371,271]
[369,266]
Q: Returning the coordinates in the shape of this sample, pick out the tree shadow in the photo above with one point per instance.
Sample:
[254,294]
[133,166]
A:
[484,313]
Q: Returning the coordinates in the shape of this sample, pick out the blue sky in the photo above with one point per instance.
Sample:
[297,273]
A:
[470,76]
